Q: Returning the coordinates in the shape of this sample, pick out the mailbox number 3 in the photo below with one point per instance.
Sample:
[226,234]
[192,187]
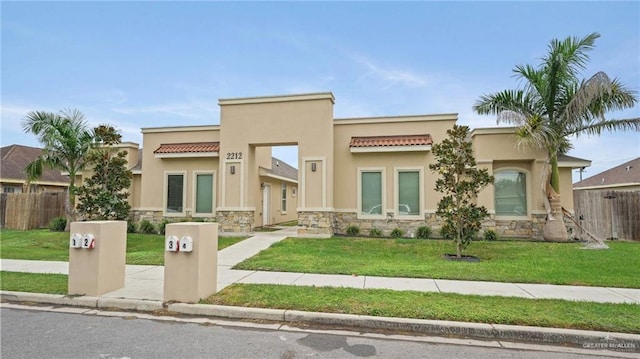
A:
[170,244]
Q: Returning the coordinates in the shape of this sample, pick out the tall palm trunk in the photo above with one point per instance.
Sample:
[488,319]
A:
[554,227]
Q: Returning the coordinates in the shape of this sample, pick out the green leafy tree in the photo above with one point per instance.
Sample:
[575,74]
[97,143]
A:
[66,139]
[460,181]
[103,196]
[555,104]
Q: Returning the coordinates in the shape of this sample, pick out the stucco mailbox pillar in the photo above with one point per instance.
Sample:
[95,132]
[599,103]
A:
[190,261]
[97,254]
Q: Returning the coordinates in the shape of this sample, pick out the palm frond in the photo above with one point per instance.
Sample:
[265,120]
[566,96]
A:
[536,133]
[582,100]
[596,128]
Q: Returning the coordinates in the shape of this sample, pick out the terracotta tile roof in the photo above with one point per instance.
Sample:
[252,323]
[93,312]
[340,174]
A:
[389,141]
[626,173]
[16,157]
[194,147]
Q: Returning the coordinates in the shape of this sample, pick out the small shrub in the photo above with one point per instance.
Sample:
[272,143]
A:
[375,232]
[146,227]
[131,227]
[353,230]
[58,224]
[424,232]
[490,235]
[397,233]
[162,226]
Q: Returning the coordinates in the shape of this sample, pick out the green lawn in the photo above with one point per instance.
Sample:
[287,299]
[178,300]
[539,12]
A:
[502,261]
[54,246]
[34,282]
[437,306]
[404,304]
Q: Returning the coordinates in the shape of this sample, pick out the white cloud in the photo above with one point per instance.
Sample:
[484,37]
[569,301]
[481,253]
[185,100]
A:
[390,76]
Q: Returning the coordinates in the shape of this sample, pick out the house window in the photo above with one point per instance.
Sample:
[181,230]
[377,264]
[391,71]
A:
[9,190]
[511,193]
[283,206]
[175,193]
[408,199]
[204,193]
[371,193]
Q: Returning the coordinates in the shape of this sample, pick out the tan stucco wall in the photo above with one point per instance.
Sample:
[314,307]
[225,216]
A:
[347,163]
[303,120]
[135,191]
[496,148]
[275,200]
[566,188]
[155,169]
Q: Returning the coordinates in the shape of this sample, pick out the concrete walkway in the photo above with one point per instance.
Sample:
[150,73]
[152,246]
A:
[146,282]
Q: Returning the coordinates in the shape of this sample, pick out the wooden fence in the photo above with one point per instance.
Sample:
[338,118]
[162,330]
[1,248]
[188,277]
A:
[609,214]
[31,210]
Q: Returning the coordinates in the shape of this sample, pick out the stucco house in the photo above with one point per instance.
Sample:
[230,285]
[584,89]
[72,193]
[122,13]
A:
[369,172]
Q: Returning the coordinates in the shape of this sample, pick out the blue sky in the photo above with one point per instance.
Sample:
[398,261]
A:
[150,64]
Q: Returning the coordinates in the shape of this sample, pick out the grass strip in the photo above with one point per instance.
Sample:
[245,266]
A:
[34,282]
[501,261]
[45,245]
[624,318]
[437,306]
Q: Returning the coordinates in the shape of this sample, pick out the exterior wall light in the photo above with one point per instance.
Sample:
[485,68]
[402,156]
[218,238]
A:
[233,170]
[313,166]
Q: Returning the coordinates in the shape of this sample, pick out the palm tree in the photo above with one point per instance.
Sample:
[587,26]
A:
[66,139]
[554,105]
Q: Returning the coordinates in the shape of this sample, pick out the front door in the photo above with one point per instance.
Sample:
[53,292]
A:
[266,204]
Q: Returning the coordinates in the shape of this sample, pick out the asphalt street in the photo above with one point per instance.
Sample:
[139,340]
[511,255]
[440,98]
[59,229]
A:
[28,332]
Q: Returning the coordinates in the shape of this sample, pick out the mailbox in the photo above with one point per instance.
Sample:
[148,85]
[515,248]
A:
[186,244]
[171,244]
[88,241]
[75,241]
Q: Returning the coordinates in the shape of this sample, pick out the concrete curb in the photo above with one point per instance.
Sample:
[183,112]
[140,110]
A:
[222,311]
[577,338]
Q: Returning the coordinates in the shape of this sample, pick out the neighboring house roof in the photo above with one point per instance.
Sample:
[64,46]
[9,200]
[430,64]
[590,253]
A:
[626,174]
[194,147]
[389,141]
[280,170]
[15,158]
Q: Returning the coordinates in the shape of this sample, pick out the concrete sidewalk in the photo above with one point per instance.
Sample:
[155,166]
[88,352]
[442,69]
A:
[143,282]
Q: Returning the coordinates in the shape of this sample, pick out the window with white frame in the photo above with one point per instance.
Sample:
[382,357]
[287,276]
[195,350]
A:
[371,193]
[175,192]
[204,193]
[408,196]
[283,206]
[510,193]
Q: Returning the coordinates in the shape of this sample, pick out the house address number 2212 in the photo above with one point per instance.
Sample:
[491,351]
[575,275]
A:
[234,155]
